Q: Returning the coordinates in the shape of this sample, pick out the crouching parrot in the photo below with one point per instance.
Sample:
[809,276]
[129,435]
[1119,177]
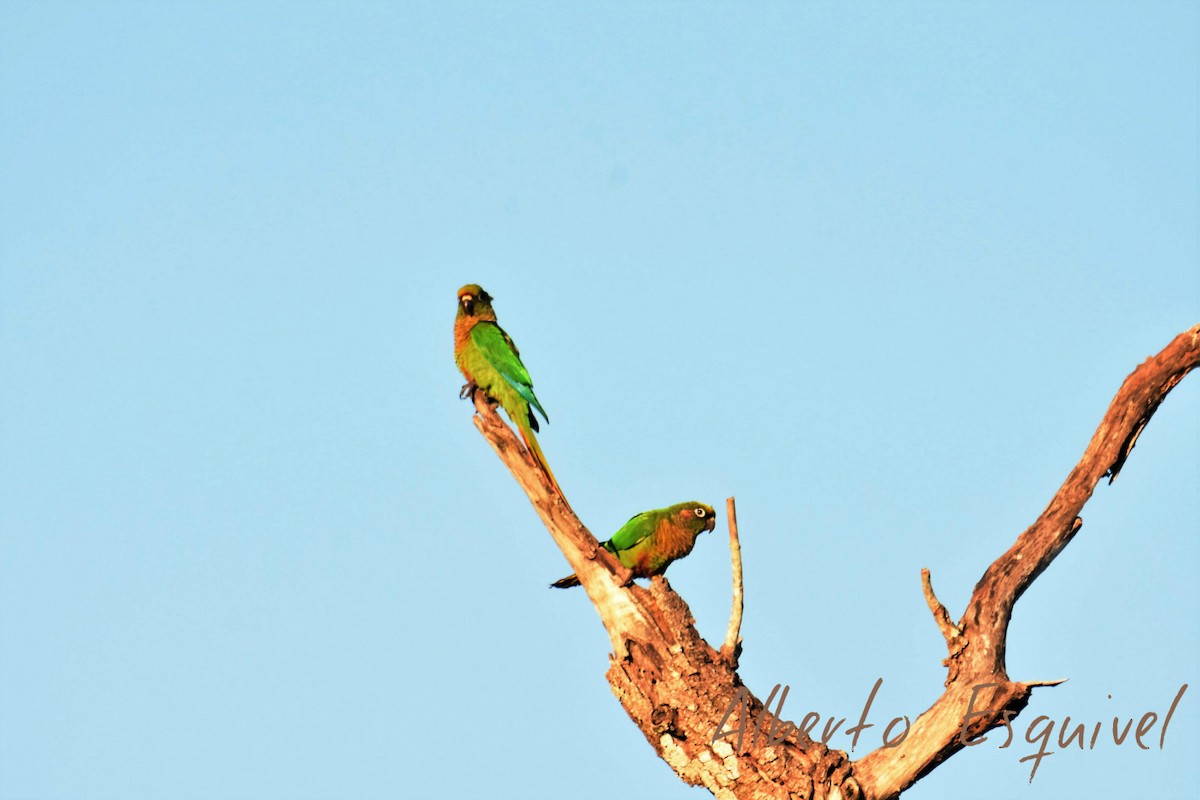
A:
[651,540]
[490,361]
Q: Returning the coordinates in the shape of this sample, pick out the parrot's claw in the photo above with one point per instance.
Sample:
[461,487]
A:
[470,390]
[625,577]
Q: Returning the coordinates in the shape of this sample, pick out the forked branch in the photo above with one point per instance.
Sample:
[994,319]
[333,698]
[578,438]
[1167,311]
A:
[678,690]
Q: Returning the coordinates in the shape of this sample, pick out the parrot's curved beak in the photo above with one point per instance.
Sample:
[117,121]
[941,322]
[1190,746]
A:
[710,524]
[468,304]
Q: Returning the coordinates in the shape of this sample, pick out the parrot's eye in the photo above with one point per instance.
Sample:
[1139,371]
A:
[700,512]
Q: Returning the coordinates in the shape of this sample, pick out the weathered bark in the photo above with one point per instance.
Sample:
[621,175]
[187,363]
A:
[677,688]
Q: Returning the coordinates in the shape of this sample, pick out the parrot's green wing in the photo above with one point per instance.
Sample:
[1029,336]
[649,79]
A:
[635,530]
[501,353]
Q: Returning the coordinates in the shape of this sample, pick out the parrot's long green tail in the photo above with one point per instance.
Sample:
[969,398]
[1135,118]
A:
[532,444]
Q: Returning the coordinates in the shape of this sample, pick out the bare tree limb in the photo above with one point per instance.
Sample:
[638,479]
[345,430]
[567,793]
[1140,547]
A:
[733,638]
[689,702]
[596,568]
[980,658]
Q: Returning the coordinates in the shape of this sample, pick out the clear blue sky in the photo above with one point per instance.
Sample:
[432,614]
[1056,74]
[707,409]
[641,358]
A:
[875,269]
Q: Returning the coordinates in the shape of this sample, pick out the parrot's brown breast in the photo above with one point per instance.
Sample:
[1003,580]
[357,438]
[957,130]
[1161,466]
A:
[673,540]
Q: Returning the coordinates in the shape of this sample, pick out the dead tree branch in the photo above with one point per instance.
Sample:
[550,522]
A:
[678,690]
[976,656]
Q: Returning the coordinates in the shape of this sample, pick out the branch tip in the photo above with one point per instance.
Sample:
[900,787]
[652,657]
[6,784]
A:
[949,630]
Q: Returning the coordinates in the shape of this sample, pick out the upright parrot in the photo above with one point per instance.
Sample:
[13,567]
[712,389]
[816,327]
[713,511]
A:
[490,361]
[651,540]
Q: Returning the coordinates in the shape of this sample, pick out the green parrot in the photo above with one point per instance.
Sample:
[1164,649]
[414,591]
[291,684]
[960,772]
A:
[490,361]
[651,540]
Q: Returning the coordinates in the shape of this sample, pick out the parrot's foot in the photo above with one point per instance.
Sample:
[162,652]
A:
[624,577]
[471,390]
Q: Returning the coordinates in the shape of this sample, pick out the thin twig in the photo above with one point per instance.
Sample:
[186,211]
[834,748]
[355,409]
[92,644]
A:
[733,637]
[940,616]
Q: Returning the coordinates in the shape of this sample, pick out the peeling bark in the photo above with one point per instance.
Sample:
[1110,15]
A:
[676,688]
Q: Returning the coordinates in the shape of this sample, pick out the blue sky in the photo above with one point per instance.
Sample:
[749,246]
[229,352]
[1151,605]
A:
[875,269]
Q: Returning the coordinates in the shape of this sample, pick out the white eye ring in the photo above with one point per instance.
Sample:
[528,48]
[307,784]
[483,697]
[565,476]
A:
[700,512]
